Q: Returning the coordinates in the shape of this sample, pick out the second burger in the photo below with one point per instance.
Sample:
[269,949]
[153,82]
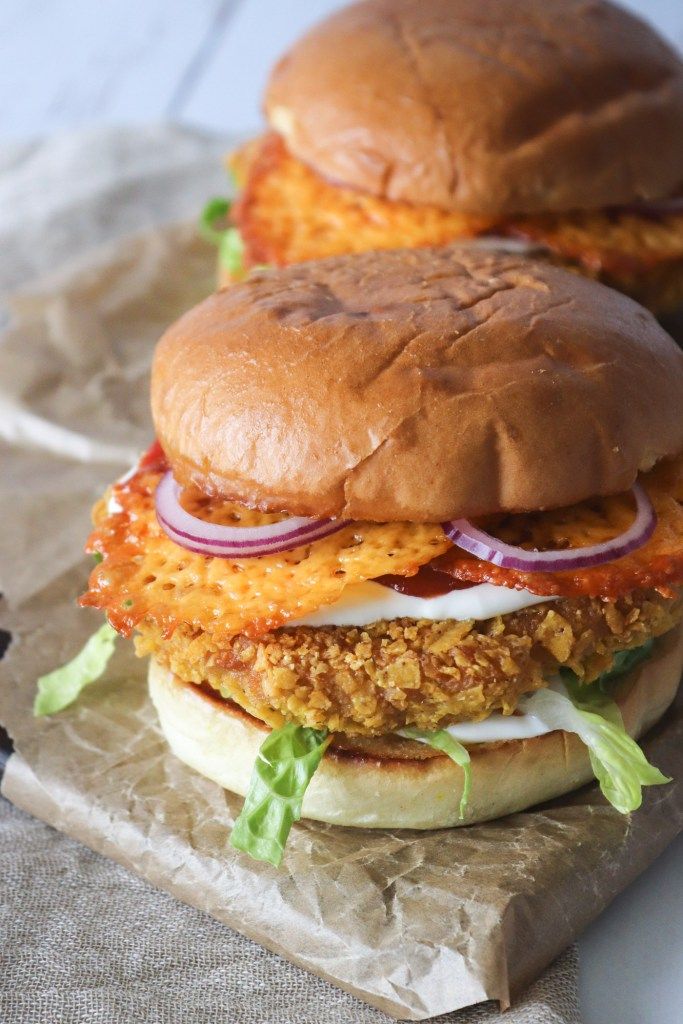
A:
[551,123]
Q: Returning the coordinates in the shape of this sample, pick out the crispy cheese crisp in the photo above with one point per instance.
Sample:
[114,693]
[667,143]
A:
[146,575]
[617,241]
[657,564]
[287,214]
[637,252]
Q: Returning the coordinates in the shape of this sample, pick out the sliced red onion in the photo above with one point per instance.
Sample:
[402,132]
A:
[504,243]
[467,536]
[233,541]
[671,205]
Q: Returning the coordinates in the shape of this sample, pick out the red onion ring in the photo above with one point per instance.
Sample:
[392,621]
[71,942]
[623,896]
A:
[671,205]
[465,535]
[219,541]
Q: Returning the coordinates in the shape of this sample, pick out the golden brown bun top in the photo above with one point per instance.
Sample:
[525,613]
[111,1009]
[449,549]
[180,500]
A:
[416,385]
[517,106]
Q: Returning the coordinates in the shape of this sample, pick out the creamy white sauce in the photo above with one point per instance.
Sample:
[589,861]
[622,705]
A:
[532,718]
[499,727]
[364,603]
[114,506]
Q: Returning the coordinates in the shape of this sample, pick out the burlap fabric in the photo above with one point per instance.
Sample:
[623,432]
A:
[84,941]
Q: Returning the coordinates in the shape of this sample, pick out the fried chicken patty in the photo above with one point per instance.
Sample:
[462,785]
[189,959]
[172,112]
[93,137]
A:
[288,214]
[391,674]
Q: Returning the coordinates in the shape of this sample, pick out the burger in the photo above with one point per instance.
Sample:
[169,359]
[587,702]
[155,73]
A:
[408,550]
[551,125]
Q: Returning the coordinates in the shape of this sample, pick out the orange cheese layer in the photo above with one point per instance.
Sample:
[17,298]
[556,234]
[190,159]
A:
[287,214]
[146,575]
[658,563]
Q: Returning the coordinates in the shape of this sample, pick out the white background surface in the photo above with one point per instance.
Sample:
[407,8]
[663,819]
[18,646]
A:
[68,63]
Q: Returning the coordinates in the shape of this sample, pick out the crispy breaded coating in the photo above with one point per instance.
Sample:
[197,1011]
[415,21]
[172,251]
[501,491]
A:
[288,214]
[377,679]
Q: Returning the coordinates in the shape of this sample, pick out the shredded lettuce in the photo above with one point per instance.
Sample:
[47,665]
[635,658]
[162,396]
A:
[231,252]
[217,209]
[227,239]
[59,688]
[619,765]
[285,765]
[443,741]
[623,662]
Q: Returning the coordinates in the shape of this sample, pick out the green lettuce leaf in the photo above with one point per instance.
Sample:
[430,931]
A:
[59,688]
[216,210]
[625,661]
[227,239]
[591,696]
[619,765]
[443,741]
[231,252]
[622,663]
[285,765]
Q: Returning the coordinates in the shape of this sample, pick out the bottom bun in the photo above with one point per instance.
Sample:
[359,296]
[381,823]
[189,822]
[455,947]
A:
[351,787]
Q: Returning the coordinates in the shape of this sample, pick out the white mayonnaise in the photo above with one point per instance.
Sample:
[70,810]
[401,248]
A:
[499,727]
[113,505]
[363,603]
[536,715]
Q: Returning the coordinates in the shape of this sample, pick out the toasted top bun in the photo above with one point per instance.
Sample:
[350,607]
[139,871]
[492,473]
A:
[416,385]
[407,790]
[517,106]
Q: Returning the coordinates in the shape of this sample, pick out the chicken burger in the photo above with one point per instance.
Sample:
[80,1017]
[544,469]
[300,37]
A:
[409,549]
[552,124]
